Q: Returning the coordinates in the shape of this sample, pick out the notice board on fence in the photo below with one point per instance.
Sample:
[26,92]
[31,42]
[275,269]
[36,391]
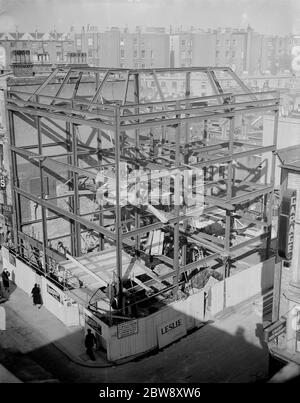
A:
[93,324]
[127,329]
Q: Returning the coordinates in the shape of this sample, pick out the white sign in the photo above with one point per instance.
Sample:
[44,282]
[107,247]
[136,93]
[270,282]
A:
[2,318]
[170,331]
[127,329]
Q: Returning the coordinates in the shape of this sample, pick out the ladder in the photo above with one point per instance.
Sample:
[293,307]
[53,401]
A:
[198,255]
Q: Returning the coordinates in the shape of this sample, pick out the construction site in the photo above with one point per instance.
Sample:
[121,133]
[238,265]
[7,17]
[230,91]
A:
[136,209]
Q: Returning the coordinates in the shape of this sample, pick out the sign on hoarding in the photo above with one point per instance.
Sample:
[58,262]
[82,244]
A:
[170,331]
[275,330]
[127,329]
[55,294]
[287,224]
[93,324]
[2,318]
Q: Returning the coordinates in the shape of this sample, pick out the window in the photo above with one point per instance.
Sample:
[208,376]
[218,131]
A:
[163,84]
[143,65]
[183,42]
[143,53]
[78,42]
[122,53]
[174,85]
[135,53]
[90,42]
[90,53]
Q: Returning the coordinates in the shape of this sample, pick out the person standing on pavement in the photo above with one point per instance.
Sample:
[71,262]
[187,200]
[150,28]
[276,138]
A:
[36,296]
[5,279]
[90,341]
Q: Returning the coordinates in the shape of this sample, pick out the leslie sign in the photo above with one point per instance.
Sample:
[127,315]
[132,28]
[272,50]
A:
[287,224]
[171,331]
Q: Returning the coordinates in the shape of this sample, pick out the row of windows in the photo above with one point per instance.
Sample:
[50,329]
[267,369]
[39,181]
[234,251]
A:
[135,53]
[227,54]
[90,42]
[228,42]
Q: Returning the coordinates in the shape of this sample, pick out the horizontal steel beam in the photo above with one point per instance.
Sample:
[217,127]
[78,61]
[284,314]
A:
[251,195]
[60,116]
[190,119]
[234,156]
[37,244]
[48,162]
[198,263]
[201,109]
[174,103]
[64,213]
[248,242]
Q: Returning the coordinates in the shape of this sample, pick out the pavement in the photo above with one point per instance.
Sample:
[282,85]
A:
[229,350]
[7,377]
[37,347]
[46,329]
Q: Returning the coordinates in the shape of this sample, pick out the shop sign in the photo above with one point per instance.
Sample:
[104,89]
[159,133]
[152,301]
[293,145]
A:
[287,224]
[93,324]
[55,294]
[170,331]
[127,329]
[2,182]
[274,330]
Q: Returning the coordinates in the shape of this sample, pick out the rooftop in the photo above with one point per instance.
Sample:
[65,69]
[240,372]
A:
[290,157]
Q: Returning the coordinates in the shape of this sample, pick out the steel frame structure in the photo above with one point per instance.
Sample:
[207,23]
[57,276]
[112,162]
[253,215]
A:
[125,115]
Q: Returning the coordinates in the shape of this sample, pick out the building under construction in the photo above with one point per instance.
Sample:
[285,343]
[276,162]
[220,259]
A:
[137,208]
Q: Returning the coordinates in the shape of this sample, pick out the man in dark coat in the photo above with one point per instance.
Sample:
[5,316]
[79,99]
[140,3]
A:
[90,341]
[5,279]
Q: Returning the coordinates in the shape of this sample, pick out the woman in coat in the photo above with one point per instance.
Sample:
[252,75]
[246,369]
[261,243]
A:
[36,295]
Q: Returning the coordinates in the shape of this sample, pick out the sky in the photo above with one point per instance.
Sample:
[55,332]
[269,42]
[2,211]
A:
[265,16]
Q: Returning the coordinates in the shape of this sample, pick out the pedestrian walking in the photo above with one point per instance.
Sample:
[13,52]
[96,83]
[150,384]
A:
[36,296]
[5,279]
[90,342]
